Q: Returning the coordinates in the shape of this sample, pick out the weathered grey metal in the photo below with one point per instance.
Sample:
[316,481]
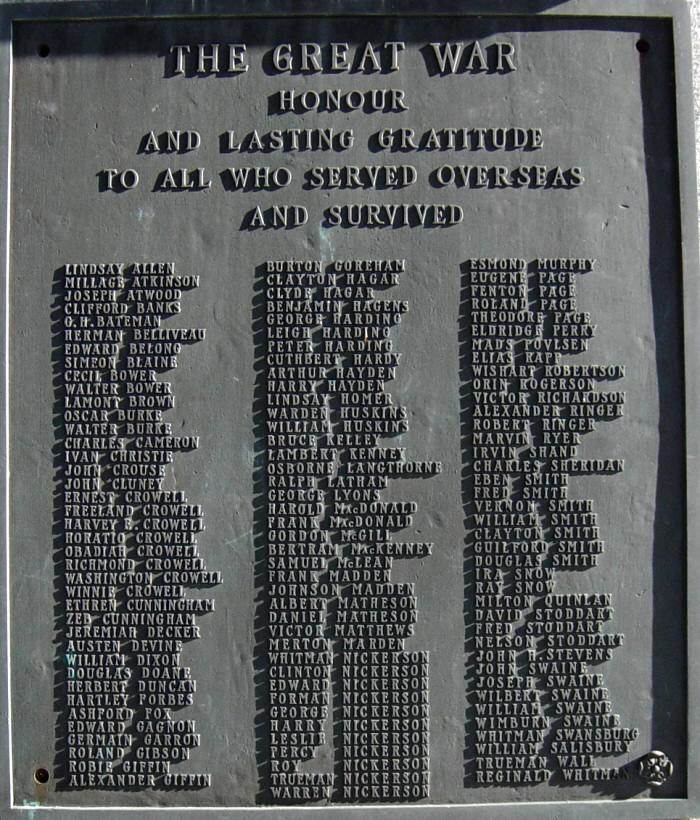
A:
[606,89]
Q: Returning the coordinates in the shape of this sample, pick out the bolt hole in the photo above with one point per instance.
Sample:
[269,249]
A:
[43,50]
[41,775]
[643,46]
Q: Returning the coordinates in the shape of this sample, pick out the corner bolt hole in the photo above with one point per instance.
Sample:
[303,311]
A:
[41,775]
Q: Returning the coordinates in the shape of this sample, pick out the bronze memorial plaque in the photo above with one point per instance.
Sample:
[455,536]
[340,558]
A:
[351,409]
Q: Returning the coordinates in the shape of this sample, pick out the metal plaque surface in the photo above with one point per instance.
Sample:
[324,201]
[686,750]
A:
[350,409]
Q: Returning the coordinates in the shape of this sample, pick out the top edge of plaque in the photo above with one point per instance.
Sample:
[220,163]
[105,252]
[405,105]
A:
[76,9]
